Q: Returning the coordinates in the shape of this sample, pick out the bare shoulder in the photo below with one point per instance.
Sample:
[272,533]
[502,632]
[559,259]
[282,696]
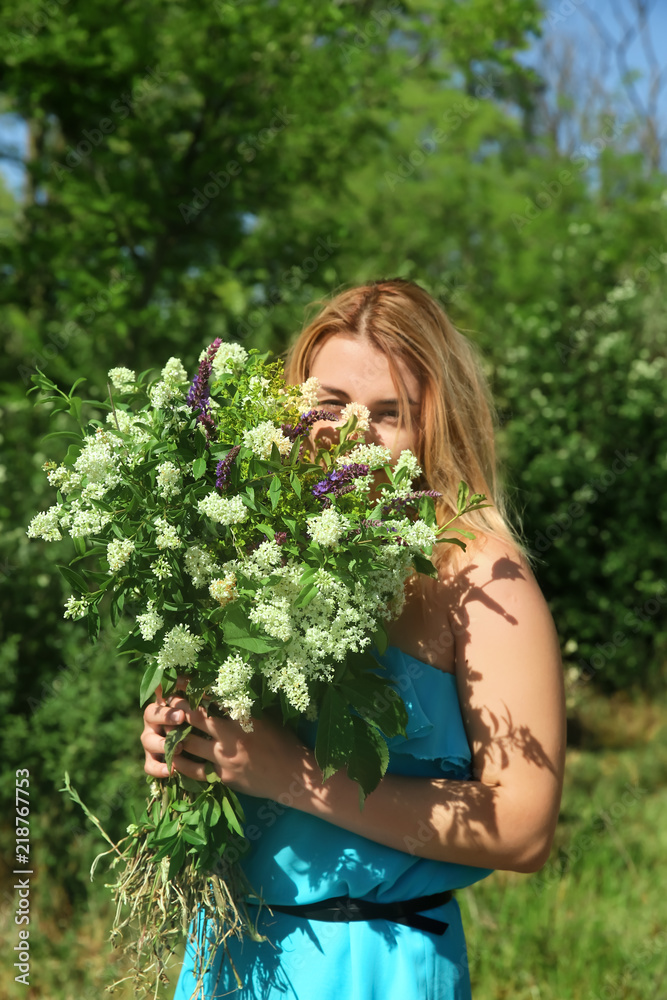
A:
[491,576]
[508,666]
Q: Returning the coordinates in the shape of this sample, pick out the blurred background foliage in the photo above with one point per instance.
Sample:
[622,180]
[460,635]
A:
[210,169]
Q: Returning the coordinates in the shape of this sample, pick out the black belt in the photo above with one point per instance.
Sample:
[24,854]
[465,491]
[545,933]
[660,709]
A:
[343,908]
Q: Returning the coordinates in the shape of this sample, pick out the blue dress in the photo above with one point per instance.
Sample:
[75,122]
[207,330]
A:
[298,858]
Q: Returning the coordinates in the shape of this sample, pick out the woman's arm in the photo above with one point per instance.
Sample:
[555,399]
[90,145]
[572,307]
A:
[511,692]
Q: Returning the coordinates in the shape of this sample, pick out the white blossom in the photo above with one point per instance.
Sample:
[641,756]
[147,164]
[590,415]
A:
[127,423]
[118,553]
[167,538]
[408,460]
[310,390]
[168,480]
[200,565]
[417,533]
[231,689]
[358,410]
[150,622]
[261,438]
[170,386]
[223,589]
[228,358]
[85,520]
[46,525]
[274,617]
[180,648]
[63,478]
[223,510]
[76,607]
[267,555]
[328,527]
[161,568]
[122,379]
[373,455]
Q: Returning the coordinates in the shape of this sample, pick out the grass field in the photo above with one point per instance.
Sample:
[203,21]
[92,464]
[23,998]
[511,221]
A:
[591,925]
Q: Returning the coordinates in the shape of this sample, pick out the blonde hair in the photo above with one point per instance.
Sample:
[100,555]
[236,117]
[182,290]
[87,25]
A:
[456,439]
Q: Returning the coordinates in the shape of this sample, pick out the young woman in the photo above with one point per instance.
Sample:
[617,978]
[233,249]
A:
[477,783]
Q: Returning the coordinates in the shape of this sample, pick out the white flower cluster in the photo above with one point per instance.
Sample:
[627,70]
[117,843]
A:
[358,410]
[118,553]
[335,621]
[63,478]
[122,379]
[260,440]
[75,607]
[161,568]
[170,386]
[128,423]
[231,689]
[200,566]
[168,480]
[408,460]
[180,648]
[417,534]
[274,617]
[267,555]
[223,589]
[223,510]
[167,538]
[150,622]
[310,391]
[366,454]
[228,358]
[328,527]
[82,520]
[46,525]
[98,463]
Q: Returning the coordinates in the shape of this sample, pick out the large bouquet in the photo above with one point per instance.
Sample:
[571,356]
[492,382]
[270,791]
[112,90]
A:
[252,561]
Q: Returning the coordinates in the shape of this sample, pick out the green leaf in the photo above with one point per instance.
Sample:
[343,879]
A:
[306,595]
[231,816]
[199,467]
[295,483]
[176,860]
[370,757]
[424,565]
[377,701]
[149,682]
[75,581]
[454,541]
[275,489]
[335,734]
[381,639]
[462,497]
[173,739]
[237,632]
[93,620]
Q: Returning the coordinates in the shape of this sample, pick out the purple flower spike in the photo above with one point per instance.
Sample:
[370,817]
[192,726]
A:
[340,480]
[198,396]
[224,467]
[306,421]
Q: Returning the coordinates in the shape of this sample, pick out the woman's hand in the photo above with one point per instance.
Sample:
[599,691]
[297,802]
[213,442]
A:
[262,763]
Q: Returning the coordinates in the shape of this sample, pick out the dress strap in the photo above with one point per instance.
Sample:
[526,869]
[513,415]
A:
[344,908]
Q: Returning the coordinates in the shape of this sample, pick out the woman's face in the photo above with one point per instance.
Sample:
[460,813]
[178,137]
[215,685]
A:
[351,370]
